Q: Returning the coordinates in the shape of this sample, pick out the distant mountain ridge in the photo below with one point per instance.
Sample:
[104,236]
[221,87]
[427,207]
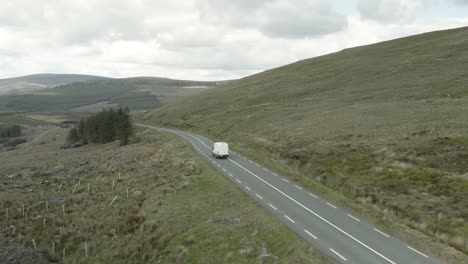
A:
[34,82]
[85,93]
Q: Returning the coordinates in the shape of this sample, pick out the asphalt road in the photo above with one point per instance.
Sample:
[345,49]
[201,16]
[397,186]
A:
[332,230]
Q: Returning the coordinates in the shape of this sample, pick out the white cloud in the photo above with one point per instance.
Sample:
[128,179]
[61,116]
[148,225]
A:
[191,39]
[276,18]
[390,11]
[461,2]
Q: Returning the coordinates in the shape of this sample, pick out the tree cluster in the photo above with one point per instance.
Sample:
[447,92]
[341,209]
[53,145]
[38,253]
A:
[10,131]
[103,127]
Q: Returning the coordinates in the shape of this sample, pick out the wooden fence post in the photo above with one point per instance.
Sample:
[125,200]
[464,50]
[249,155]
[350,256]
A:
[113,200]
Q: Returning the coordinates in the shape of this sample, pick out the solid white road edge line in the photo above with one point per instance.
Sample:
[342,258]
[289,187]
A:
[309,210]
[354,218]
[417,252]
[343,258]
[314,213]
[199,140]
[381,232]
[289,219]
[273,207]
[310,234]
[331,205]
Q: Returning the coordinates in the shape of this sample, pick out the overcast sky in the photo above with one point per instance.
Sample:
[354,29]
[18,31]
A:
[201,39]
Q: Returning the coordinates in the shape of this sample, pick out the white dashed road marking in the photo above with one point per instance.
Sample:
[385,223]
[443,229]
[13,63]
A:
[300,188]
[247,187]
[314,213]
[331,205]
[381,232]
[309,210]
[310,234]
[343,258]
[238,181]
[289,219]
[417,252]
[285,180]
[261,198]
[273,207]
[353,217]
[313,195]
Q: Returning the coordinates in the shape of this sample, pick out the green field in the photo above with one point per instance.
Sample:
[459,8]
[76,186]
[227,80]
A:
[17,118]
[382,124]
[136,93]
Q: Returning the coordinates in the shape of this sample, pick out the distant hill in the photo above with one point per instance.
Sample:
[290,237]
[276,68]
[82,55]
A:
[387,88]
[90,96]
[41,81]
[385,124]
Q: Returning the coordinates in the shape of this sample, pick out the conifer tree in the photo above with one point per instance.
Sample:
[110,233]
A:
[103,127]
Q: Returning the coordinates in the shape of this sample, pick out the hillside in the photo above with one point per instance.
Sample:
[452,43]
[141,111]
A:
[385,125]
[153,201]
[136,93]
[34,82]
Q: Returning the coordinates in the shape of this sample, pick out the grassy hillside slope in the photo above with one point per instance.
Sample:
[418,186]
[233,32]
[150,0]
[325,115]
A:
[385,124]
[137,93]
[41,81]
[153,201]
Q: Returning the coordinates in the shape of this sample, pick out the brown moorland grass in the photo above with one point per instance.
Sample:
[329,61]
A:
[383,126]
[178,209]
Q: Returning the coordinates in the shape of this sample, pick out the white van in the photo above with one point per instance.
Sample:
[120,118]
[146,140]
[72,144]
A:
[220,150]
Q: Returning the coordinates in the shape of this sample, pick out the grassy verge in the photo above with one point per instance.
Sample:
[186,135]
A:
[178,209]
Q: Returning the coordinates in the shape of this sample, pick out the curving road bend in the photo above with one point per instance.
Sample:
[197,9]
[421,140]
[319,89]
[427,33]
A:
[332,230]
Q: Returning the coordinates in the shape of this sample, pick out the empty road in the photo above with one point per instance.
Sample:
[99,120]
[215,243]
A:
[331,229]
